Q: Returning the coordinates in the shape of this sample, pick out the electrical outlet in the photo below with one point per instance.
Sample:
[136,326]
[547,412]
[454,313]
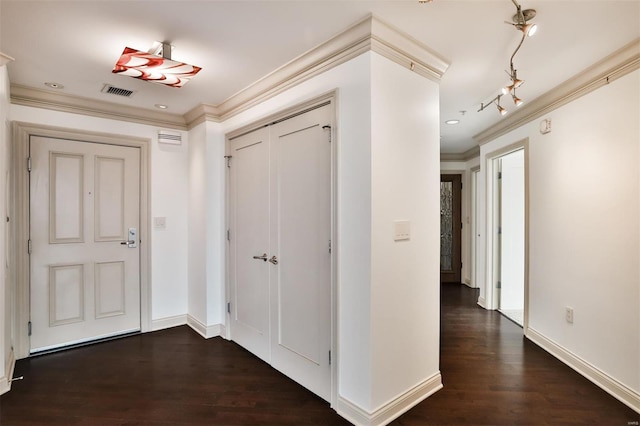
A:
[569,315]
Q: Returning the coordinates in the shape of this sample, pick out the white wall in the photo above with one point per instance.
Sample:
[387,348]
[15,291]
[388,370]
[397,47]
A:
[405,277]
[584,189]
[197,253]
[169,198]
[207,224]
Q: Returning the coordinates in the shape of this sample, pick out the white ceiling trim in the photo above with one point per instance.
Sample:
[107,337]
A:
[368,34]
[614,66]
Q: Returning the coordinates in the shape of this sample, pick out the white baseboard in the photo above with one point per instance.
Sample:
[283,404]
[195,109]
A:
[392,409]
[482,302]
[168,322]
[5,382]
[206,331]
[618,390]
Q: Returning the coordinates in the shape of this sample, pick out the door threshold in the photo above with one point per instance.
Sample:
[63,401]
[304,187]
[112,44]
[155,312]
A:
[47,351]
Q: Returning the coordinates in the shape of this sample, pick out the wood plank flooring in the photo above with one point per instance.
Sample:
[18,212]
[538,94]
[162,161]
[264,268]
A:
[492,376]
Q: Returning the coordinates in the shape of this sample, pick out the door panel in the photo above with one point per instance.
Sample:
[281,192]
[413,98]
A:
[301,231]
[250,224]
[84,283]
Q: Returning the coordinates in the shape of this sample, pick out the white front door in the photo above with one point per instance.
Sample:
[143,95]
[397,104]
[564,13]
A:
[280,259]
[84,204]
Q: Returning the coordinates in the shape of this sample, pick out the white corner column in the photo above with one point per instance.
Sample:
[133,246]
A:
[206,230]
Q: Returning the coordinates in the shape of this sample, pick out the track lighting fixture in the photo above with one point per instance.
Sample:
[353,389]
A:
[495,101]
[520,19]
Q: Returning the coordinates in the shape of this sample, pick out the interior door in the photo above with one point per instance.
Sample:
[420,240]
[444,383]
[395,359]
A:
[511,300]
[300,236]
[280,259]
[84,204]
[249,246]
[450,228]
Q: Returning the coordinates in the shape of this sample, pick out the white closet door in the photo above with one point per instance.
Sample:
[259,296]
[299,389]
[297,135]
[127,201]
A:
[300,238]
[85,284]
[280,263]
[249,224]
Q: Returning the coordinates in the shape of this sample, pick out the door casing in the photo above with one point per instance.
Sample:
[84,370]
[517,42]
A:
[19,221]
[329,97]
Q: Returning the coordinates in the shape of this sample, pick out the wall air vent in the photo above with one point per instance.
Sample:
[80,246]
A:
[167,136]
[112,90]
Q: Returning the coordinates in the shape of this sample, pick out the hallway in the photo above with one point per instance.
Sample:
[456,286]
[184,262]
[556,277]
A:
[492,376]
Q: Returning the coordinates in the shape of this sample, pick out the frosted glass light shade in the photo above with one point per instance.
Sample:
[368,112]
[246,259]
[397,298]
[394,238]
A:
[153,68]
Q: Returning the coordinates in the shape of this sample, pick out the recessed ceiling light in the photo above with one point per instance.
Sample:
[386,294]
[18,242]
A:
[452,122]
[161,106]
[54,85]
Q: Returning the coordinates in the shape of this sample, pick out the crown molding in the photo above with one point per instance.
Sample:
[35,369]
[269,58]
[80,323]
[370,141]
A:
[463,156]
[202,113]
[28,96]
[5,59]
[612,67]
[369,34]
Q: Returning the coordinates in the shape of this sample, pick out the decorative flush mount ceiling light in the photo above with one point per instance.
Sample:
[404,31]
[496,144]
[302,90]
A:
[149,66]
[520,19]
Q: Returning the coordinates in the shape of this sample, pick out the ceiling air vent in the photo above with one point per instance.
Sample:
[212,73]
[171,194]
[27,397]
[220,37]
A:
[117,91]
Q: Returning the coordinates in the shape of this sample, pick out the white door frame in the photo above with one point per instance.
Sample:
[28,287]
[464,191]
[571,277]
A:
[280,116]
[492,255]
[473,241]
[19,221]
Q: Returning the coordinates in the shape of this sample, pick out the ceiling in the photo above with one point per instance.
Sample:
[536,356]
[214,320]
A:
[76,43]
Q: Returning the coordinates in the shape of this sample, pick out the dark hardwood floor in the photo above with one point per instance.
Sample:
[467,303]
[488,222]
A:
[491,374]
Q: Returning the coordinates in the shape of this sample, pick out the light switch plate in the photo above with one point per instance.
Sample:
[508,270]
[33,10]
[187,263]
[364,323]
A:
[159,222]
[401,230]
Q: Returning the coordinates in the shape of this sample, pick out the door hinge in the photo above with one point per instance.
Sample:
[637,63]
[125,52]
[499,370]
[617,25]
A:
[327,127]
[329,357]
[29,328]
[499,175]
[29,246]
[228,158]
[228,234]
[499,284]
[29,164]
[499,230]
[228,307]
[329,246]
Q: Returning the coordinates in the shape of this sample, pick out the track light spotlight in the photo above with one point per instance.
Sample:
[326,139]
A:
[517,100]
[495,101]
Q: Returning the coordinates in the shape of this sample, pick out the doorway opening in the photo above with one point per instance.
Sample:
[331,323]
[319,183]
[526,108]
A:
[79,289]
[507,245]
[450,228]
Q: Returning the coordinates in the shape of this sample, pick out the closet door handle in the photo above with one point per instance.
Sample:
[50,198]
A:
[263,257]
[274,260]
